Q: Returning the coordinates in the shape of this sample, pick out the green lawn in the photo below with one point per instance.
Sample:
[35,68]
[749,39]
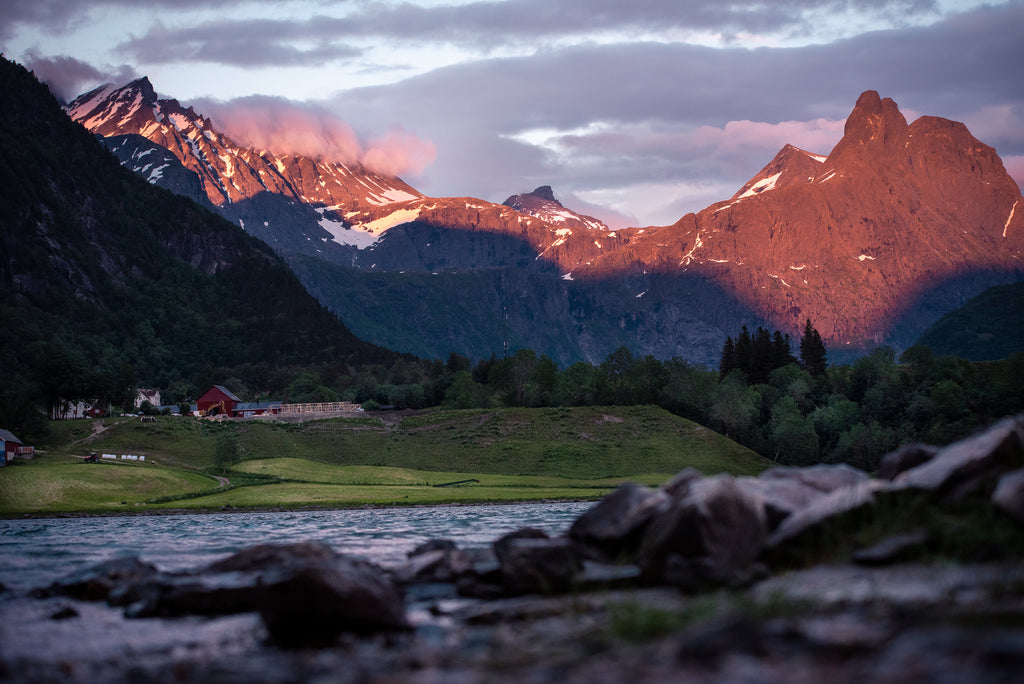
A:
[515,454]
[79,486]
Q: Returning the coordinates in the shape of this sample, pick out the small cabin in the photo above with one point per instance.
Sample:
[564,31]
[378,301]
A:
[11,447]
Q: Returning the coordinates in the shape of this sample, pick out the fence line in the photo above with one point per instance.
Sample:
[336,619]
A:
[322,407]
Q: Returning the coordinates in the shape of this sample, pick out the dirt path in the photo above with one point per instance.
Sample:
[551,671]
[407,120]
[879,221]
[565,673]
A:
[98,428]
[224,482]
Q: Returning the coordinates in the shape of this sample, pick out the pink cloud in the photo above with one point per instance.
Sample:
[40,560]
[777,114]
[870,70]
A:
[283,127]
[398,153]
[818,135]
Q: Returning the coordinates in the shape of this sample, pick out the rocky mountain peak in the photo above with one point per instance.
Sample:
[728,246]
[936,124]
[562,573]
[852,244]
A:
[791,166]
[874,119]
[545,193]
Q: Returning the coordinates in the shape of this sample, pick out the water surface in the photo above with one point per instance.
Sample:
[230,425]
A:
[35,552]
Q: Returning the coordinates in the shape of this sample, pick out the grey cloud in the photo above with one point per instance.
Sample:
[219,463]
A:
[249,43]
[482,26]
[57,15]
[470,110]
[67,77]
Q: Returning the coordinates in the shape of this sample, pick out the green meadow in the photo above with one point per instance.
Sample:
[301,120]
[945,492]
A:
[438,457]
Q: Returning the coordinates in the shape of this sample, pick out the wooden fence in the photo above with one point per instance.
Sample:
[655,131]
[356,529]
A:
[322,407]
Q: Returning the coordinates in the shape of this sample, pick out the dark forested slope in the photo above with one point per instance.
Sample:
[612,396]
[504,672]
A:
[107,281]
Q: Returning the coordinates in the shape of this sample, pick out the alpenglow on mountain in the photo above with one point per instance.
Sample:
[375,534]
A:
[873,241]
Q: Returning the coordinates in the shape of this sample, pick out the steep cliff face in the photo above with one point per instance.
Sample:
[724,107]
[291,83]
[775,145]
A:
[893,214]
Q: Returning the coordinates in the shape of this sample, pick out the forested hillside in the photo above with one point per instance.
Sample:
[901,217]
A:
[107,282]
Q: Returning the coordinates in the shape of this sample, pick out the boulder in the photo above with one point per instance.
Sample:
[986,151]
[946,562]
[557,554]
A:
[96,583]
[710,537]
[781,496]
[679,485]
[823,477]
[612,529]
[904,458]
[433,545]
[965,467]
[1009,495]
[537,564]
[311,601]
[807,526]
[894,549]
[440,563]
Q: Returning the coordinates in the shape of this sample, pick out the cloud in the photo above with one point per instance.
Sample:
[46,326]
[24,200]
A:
[249,43]
[67,77]
[673,123]
[284,127]
[399,153]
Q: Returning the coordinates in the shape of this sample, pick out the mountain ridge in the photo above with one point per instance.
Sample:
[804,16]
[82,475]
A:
[896,225]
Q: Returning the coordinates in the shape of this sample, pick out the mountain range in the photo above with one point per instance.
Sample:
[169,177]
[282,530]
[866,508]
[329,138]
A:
[106,280]
[897,225]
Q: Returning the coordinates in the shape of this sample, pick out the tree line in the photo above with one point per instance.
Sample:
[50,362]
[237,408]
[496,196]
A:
[793,408]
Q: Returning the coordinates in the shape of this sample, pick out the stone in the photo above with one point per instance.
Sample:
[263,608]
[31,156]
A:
[612,529]
[96,583]
[717,532]
[781,496]
[312,601]
[806,526]
[433,545]
[531,564]
[1009,495]
[966,466]
[679,485]
[904,458]
[894,549]
[823,477]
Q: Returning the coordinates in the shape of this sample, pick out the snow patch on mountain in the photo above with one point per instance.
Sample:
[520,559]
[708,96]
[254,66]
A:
[763,185]
[344,235]
[389,221]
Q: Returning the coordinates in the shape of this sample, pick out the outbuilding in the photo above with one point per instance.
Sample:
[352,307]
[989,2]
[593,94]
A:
[11,446]
[218,400]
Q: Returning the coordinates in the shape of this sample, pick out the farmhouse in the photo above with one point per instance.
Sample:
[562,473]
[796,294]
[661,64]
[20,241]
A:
[11,446]
[150,395]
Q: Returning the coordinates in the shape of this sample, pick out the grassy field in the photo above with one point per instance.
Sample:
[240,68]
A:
[494,455]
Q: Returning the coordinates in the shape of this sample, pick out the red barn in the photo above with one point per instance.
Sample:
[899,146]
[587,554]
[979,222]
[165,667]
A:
[217,400]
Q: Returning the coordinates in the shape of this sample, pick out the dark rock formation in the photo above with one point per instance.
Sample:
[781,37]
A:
[964,467]
[612,529]
[708,537]
[904,458]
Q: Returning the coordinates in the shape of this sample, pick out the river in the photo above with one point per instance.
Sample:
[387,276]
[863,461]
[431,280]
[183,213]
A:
[35,552]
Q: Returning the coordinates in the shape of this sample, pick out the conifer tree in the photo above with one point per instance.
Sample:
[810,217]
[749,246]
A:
[742,351]
[813,357]
[728,360]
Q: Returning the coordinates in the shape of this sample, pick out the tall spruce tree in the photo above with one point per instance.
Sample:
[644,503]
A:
[813,356]
[728,360]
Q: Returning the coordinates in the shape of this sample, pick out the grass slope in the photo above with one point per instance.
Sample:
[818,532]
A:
[507,455]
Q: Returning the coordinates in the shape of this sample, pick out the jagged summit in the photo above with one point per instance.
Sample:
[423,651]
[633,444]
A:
[791,166]
[896,223]
[545,193]
[228,171]
[542,204]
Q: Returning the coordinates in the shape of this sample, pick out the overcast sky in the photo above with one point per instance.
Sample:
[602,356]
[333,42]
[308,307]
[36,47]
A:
[636,112]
